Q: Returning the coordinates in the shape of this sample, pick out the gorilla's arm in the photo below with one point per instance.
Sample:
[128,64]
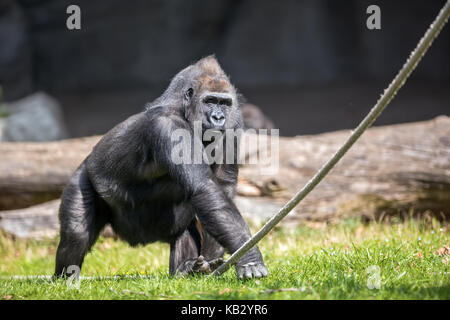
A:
[215,210]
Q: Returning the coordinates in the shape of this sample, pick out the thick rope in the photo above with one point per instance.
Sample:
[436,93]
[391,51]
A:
[422,47]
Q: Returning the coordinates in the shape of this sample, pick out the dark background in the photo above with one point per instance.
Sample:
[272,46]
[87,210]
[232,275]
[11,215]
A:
[311,66]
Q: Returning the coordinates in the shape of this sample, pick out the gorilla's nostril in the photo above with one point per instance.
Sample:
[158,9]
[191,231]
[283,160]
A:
[217,118]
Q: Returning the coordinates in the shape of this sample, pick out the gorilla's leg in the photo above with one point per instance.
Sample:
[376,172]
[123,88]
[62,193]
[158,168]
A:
[81,222]
[195,251]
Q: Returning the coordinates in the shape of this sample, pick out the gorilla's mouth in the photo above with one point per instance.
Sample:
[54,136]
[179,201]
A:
[213,131]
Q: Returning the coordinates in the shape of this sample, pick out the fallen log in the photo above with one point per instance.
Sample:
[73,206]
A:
[396,169]
[392,170]
[35,172]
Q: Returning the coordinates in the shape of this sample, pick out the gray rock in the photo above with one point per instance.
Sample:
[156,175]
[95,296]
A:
[37,117]
[2,125]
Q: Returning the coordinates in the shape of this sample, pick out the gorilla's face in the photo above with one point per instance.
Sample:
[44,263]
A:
[215,109]
[209,96]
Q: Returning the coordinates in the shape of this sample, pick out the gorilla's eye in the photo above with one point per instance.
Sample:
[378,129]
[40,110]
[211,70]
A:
[189,93]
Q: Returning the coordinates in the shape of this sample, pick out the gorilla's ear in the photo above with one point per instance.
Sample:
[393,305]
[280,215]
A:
[188,94]
[187,99]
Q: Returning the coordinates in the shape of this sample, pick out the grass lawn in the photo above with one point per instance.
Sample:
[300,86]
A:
[349,260]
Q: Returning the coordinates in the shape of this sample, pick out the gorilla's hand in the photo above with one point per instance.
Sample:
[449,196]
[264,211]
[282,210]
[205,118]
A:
[202,266]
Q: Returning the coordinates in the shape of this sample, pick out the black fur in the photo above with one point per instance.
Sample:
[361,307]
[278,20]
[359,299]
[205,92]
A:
[130,181]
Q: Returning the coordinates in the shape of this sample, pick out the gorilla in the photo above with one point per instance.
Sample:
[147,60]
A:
[130,181]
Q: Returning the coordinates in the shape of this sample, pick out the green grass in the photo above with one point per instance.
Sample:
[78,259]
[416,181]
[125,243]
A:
[309,262]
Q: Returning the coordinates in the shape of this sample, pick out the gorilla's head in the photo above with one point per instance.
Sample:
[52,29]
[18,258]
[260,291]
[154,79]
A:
[207,95]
